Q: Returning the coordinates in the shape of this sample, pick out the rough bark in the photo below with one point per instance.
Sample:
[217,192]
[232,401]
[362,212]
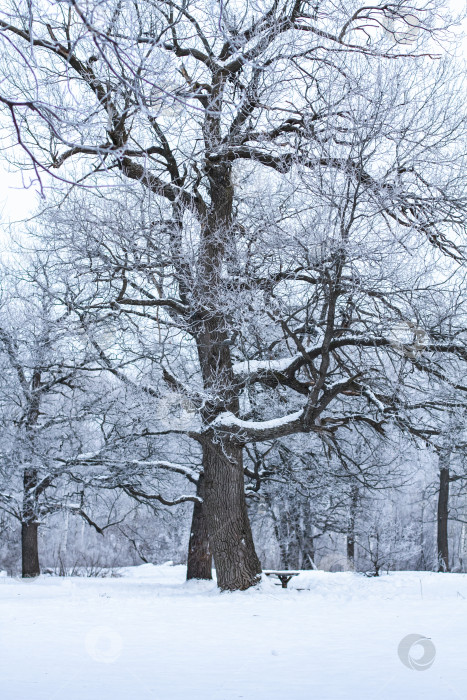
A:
[29,550]
[199,552]
[231,541]
[29,526]
[443,514]
[230,538]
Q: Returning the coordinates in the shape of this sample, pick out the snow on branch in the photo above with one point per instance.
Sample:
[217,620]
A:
[373,399]
[282,371]
[90,459]
[252,431]
[259,366]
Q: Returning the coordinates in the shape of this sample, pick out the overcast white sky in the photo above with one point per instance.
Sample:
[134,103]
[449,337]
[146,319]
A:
[19,193]
[15,199]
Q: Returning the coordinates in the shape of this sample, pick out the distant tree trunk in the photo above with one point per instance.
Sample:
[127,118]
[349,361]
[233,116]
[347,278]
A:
[199,553]
[351,527]
[463,547]
[443,512]
[294,546]
[351,549]
[230,538]
[278,528]
[29,526]
[306,539]
[308,553]
[284,551]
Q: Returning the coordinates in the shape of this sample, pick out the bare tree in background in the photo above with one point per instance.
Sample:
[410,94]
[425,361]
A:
[39,384]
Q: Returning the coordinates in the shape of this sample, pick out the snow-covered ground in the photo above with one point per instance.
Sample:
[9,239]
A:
[150,636]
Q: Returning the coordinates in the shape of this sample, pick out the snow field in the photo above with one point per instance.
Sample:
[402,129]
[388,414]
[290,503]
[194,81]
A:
[150,636]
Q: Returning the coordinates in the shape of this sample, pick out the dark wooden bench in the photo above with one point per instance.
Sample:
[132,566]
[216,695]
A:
[283,576]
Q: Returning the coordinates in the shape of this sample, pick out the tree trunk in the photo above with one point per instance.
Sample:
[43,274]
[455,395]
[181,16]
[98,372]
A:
[29,526]
[29,550]
[225,510]
[308,553]
[278,532]
[199,553]
[306,540]
[351,550]
[443,513]
[230,538]
[351,527]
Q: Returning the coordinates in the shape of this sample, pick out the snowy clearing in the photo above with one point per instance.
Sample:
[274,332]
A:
[148,636]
